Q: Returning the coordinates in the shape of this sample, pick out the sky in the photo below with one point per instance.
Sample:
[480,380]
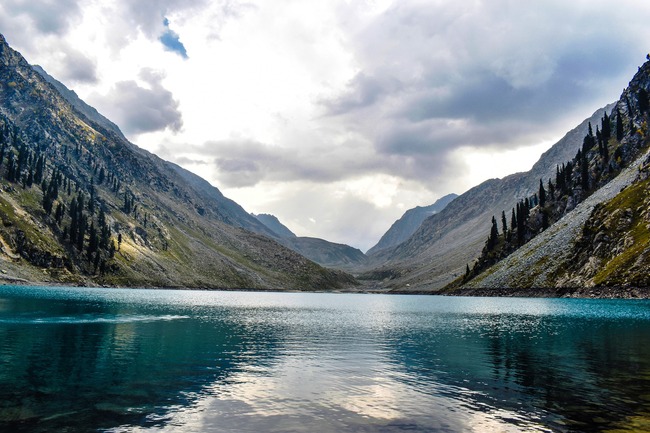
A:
[338,116]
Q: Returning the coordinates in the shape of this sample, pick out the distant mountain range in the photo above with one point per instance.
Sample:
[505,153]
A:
[439,250]
[325,253]
[602,243]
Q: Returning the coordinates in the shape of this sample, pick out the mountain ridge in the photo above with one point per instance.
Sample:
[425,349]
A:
[439,250]
[408,223]
[325,253]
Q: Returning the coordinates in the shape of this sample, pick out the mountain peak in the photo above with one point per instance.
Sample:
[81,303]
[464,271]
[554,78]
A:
[274,224]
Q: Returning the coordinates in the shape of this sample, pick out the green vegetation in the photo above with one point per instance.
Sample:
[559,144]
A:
[635,255]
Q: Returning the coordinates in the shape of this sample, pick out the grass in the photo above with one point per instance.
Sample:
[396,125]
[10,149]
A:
[631,198]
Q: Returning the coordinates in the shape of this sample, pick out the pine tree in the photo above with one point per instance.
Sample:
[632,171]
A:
[589,141]
[584,173]
[3,149]
[102,175]
[494,235]
[619,126]
[96,262]
[521,222]
[606,129]
[10,175]
[81,232]
[644,102]
[105,231]
[93,240]
[542,194]
[60,211]
[91,201]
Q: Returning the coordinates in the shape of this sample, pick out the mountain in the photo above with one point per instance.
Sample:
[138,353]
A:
[404,227]
[90,112]
[274,224]
[325,253]
[80,204]
[604,243]
[440,249]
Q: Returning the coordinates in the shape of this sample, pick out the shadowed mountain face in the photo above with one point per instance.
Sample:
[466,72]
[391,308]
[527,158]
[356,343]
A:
[80,204]
[439,250]
[404,227]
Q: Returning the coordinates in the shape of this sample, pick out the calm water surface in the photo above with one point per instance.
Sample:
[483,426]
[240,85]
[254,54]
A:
[116,360]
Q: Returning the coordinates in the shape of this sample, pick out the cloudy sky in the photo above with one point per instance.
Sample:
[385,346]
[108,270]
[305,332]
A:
[338,115]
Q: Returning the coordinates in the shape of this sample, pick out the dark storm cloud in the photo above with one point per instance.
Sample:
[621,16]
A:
[364,91]
[247,162]
[139,109]
[437,76]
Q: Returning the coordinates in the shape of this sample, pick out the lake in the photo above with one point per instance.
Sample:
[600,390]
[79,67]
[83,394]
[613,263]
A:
[120,360]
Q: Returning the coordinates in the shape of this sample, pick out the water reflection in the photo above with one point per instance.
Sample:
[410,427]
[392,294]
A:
[122,360]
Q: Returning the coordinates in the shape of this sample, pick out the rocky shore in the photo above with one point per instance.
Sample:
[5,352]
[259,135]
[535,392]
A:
[554,292]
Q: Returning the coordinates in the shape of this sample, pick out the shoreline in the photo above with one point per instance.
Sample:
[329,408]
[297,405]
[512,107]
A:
[557,292]
[538,292]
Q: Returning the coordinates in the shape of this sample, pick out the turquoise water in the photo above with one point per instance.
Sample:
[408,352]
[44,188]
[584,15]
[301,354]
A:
[81,359]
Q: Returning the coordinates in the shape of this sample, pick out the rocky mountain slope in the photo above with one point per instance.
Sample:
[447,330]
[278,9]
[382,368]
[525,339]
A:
[440,249]
[325,253]
[605,241]
[80,204]
[404,227]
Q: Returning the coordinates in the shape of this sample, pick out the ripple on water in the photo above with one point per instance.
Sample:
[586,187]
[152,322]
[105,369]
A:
[87,319]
